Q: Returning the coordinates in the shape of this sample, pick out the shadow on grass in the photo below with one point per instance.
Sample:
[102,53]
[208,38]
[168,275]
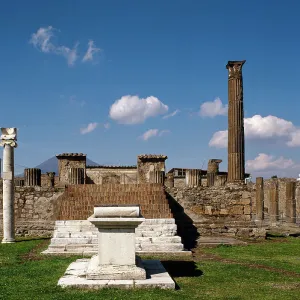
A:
[181,269]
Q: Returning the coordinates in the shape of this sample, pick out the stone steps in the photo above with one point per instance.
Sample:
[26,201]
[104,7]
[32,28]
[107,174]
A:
[80,236]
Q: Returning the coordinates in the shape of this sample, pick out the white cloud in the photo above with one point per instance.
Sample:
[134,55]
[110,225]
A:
[91,127]
[175,112]
[134,110]
[106,125]
[213,108]
[42,41]
[152,133]
[258,127]
[91,51]
[265,162]
[219,139]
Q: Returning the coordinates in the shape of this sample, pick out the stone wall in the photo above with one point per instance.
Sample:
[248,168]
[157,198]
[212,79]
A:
[221,210]
[103,175]
[36,210]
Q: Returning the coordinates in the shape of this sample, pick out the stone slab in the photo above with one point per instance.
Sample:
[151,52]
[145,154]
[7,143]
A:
[117,211]
[115,272]
[157,277]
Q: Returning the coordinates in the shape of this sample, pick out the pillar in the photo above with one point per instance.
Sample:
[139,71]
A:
[76,176]
[290,210]
[157,177]
[192,177]
[8,141]
[51,179]
[273,203]
[19,182]
[212,171]
[32,177]
[236,142]
[259,198]
[170,181]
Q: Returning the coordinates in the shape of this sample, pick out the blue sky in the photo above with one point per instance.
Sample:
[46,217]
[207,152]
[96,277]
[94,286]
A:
[161,57]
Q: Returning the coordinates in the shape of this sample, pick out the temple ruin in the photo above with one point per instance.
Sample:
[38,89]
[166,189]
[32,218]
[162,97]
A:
[180,206]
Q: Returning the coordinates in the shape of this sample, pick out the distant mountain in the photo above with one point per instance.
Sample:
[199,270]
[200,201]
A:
[51,165]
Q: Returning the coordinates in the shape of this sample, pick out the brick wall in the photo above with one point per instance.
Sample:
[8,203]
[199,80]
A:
[79,200]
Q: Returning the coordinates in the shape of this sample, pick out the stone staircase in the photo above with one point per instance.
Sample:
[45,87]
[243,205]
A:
[73,234]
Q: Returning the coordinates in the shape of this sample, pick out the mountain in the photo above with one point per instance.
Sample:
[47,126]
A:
[51,165]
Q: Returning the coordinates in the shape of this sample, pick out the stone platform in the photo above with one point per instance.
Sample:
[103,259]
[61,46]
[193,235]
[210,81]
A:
[157,277]
[80,237]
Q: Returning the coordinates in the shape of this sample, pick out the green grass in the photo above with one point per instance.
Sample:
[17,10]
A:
[25,277]
[281,253]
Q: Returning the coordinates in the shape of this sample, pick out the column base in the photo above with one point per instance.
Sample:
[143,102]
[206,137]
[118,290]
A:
[115,272]
[8,241]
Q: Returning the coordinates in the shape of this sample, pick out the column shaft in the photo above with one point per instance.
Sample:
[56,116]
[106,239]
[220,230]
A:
[8,195]
[259,198]
[236,143]
[273,203]
[290,211]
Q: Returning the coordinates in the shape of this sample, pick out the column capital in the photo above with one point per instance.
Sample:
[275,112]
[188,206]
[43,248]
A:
[8,136]
[234,68]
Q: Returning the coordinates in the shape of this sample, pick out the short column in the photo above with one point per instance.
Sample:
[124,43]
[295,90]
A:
[51,179]
[273,203]
[76,176]
[32,177]
[259,198]
[290,211]
[157,177]
[192,177]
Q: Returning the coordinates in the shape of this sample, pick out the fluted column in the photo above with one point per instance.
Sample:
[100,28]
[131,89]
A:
[192,177]
[19,182]
[236,142]
[157,176]
[8,141]
[76,176]
[32,177]
[290,211]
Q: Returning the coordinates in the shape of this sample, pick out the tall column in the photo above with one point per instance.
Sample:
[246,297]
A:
[290,211]
[32,177]
[259,198]
[8,141]
[236,142]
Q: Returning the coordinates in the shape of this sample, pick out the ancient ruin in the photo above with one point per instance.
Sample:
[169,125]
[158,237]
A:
[8,141]
[182,207]
[236,142]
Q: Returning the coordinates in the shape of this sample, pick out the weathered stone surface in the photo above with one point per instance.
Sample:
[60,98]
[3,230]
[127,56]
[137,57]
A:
[236,141]
[157,277]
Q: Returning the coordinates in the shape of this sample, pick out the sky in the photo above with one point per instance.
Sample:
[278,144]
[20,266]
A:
[118,78]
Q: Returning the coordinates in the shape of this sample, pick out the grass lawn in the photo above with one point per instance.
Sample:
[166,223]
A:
[236,273]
